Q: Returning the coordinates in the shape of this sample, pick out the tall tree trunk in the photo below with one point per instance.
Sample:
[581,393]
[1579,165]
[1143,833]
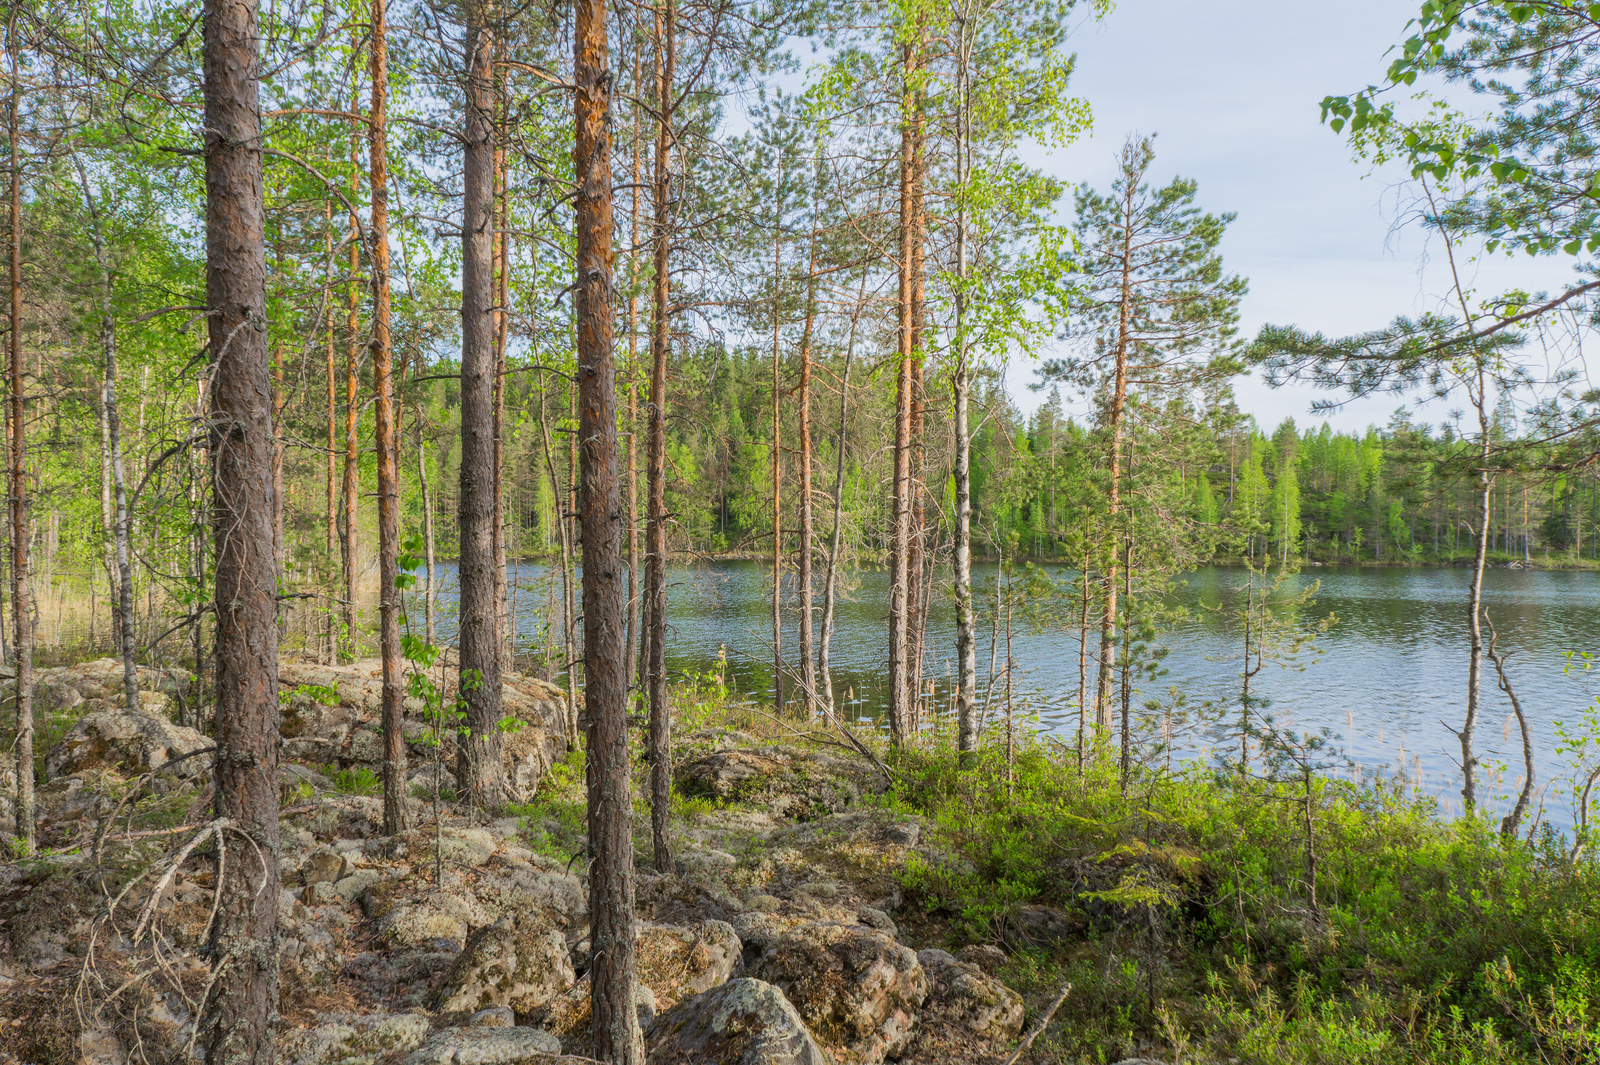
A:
[666,24]
[916,543]
[352,411]
[333,392]
[388,442]
[634,664]
[243,1002]
[803,551]
[615,1018]
[502,257]
[900,547]
[482,777]
[1119,395]
[966,632]
[777,476]
[17,475]
[111,413]
[333,422]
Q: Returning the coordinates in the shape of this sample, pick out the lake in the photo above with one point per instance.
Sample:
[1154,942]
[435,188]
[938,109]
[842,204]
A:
[1388,677]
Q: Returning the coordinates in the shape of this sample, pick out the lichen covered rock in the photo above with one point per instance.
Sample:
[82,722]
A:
[127,741]
[789,783]
[742,1022]
[523,965]
[488,1046]
[858,990]
[352,1040]
[677,963]
[964,996]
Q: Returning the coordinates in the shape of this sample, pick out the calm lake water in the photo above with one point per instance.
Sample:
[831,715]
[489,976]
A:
[1390,673]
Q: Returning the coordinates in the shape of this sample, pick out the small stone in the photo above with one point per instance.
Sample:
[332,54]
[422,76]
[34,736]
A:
[644,1002]
[905,834]
[493,1017]
[352,887]
[985,956]
[873,917]
[324,865]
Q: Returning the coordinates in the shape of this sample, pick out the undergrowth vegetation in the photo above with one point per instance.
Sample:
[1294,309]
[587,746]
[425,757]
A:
[1189,919]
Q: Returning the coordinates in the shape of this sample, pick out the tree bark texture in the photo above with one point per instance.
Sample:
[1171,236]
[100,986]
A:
[502,252]
[388,442]
[333,393]
[901,578]
[352,410]
[1114,418]
[656,531]
[482,778]
[17,479]
[803,551]
[617,1038]
[243,1001]
[777,471]
[635,586]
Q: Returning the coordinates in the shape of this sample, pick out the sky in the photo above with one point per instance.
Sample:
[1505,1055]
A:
[1231,89]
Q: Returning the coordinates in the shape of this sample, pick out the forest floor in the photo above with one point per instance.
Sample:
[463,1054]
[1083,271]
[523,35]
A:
[892,907]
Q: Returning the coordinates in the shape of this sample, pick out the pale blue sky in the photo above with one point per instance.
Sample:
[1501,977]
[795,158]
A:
[1231,88]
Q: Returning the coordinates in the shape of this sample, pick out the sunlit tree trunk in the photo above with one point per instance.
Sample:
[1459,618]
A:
[803,551]
[388,442]
[17,487]
[635,665]
[966,634]
[900,576]
[1114,424]
[777,476]
[615,1022]
[656,530]
[482,776]
[352,411]
[502,258]
[242,1005]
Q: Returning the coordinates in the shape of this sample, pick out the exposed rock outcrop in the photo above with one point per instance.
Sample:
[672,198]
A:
[742,1022]
[520,964]
[127,741]
[859,991]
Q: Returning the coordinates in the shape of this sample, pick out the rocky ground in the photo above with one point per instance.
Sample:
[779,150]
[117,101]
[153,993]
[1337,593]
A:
[779,939]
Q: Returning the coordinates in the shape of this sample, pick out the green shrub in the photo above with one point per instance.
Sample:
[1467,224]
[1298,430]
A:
[1427,939]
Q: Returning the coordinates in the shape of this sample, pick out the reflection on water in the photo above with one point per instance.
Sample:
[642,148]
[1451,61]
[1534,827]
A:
[1391,673]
